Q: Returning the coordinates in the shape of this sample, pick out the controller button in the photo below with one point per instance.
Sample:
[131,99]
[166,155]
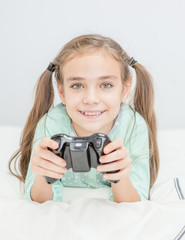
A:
[98,142]
[78,145]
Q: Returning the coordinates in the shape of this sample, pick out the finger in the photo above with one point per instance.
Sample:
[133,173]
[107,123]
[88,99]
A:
[118,154]
[48,173]
[47,142]
[51,167]
[117,165]
[117,143]
[119,175]
[50,156]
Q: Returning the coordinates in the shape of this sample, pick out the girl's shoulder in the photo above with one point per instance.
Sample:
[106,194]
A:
[130,115]
[130,123]
[56,120]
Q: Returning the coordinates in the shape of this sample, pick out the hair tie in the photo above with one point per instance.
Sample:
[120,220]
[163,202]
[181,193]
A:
[51,67]
[132,62]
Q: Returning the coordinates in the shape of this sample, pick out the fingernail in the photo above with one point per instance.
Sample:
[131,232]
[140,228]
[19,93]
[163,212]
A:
[107,149]
[55,144]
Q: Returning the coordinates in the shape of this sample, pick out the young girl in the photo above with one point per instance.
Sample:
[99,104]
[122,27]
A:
[94,82]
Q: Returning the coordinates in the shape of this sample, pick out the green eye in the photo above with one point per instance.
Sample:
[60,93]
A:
[106,85]
[76,86]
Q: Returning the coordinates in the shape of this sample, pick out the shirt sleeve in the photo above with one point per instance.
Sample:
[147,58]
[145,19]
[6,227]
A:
[139,153]
[138,146]
[40,132]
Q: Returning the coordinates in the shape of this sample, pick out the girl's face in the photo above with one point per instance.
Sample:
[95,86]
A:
[92,92]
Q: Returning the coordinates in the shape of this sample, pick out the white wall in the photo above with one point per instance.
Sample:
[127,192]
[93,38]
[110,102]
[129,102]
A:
[32,33]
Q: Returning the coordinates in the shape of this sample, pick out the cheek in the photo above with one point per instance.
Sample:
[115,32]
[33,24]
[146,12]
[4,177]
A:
[72,103]
[69,97]
[112,100]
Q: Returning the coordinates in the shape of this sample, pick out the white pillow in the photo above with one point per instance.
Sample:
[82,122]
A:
[10,186]
[9,142]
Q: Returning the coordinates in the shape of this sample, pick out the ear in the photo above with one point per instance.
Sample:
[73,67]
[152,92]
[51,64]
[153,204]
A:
[61,93]
[127,89]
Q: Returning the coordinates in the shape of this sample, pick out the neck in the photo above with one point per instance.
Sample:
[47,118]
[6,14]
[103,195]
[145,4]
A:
[83,133]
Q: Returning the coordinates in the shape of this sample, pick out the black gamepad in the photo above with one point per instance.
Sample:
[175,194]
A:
[80,153]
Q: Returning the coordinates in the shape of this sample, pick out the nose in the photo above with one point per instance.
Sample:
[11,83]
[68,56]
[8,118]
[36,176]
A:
[91,96]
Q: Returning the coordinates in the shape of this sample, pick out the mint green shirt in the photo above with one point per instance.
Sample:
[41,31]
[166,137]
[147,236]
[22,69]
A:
[130,126]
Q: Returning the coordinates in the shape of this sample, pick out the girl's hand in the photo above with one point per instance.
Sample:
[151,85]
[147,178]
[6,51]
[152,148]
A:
[116,153]
[46,163]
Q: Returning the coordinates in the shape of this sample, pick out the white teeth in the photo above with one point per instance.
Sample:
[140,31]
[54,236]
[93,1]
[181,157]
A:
[91,114]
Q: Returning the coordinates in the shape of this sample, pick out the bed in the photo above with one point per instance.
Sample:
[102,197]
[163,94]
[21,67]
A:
[87,213]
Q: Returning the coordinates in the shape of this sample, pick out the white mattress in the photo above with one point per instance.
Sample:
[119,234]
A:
[86,213]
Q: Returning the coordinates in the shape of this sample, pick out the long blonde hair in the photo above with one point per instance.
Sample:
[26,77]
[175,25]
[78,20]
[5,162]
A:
[143,99]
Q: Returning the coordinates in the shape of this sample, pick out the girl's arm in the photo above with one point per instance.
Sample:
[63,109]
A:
[124,191]
[117,158]
[45,163]
[41,190]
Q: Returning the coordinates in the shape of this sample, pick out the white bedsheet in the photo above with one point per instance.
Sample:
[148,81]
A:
[86,213]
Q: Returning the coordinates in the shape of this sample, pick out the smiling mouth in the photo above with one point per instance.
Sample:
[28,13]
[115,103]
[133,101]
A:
[92,115]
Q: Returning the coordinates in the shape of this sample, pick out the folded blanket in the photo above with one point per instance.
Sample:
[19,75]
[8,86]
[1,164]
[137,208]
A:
[90,218]
[88,214]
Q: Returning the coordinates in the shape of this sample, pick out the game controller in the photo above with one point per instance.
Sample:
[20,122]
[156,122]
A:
[80,153]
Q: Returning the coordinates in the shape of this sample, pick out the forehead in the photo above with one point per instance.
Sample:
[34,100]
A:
[93,64]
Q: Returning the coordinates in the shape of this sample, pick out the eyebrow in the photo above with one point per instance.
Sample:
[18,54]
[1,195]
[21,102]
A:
[100,78]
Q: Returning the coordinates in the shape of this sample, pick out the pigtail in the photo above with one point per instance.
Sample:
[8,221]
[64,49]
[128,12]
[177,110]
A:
[143,102]
[44,98]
